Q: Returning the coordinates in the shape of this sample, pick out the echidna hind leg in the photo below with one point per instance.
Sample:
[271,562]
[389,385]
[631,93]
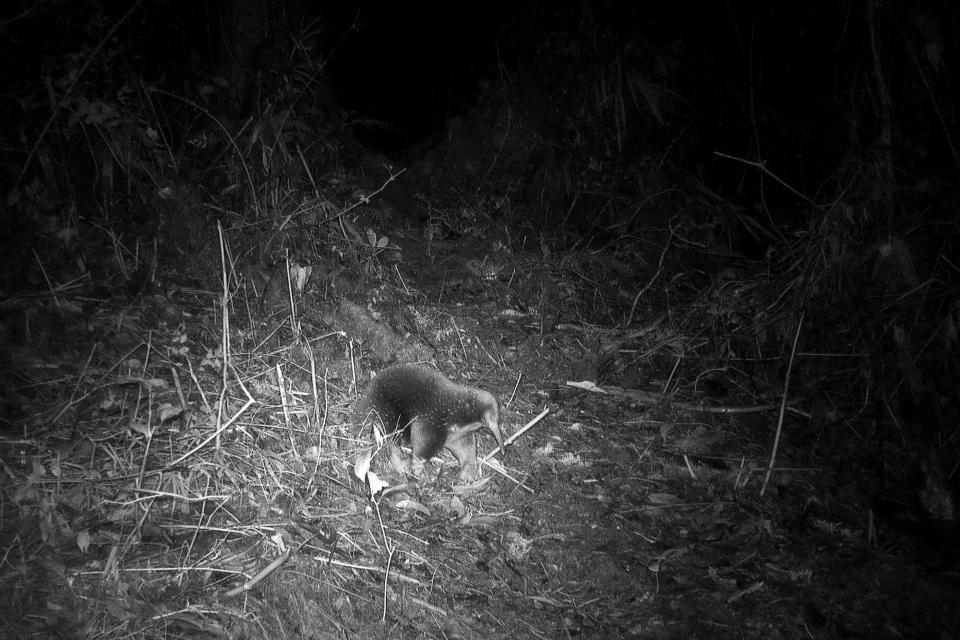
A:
[426,437]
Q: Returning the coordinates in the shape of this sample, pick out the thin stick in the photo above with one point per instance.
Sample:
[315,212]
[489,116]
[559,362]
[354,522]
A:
[486,459]
[53,293]
[226,425]
[73,394]
[389,548]
[386,577]
[459,333]
[429,607]
[316,397]
[285,404]
[362,200]
[224,323]
[519,433]
[646,397]
[506,475]
[636,298]
[399,577]
[267,570]
[179,388]
[783,406]
[223,427]
[514,392]
[316,413]
[762,166]
[196,383]
[148,432]
[294,321]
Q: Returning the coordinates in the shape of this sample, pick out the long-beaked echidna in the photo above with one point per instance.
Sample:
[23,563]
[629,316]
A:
[430,412]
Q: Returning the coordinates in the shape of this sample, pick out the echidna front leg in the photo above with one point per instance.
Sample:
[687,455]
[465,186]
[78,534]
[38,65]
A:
[398,460]
[463,446]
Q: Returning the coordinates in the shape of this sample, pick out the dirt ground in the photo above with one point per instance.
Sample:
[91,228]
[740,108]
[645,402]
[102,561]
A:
[150,491]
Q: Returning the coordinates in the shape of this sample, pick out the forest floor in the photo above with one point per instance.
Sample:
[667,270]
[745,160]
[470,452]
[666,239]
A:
[180,464]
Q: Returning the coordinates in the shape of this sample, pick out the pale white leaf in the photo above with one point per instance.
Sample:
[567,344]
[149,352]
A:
[168,411]
[586,385]
[413,505]
[375,483]
[362,465]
